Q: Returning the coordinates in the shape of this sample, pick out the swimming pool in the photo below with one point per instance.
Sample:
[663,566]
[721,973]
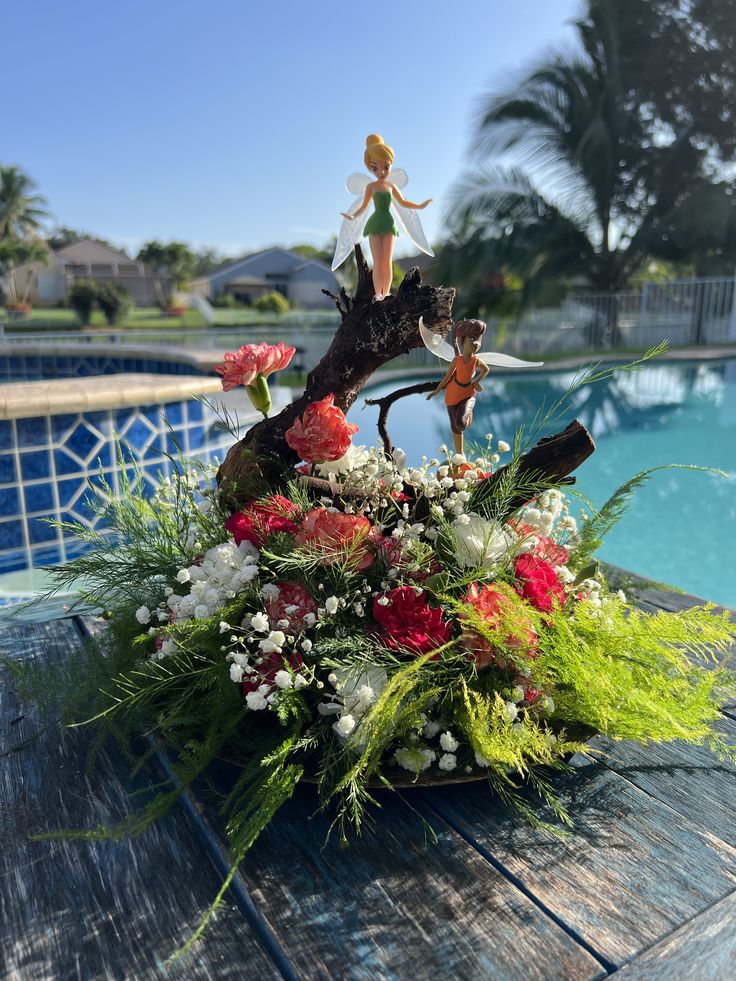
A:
[681,526]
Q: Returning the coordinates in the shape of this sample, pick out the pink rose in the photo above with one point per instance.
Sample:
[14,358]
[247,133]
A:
[243,366]
[322,434]
[538,583]
[262,519]
[408,621]
[338,536]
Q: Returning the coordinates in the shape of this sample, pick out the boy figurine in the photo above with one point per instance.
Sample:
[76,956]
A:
[463,378]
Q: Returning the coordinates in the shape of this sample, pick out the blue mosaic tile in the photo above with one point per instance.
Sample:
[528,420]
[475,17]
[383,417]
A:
[139,435]
[7,468]
[38,498]
[46,555]
[31,364]
[82,441]
[196,438]
[39,531]
[6,434]
[84,509]
[12,561]
[62,424]
[121,417]
[67,489]
[100,420]
[174,413]
[194,410]
[66,464]
[9,502]
[103,457]
[35,465]
[33,431]
[11,534]
[153,414]
[155,449]
[174,443]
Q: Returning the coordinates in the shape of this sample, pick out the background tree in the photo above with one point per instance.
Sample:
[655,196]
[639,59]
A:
[61,235]
[22,211]
[172,264]
[593,163]
[16,252]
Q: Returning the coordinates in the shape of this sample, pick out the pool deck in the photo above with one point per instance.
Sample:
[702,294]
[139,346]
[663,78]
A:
[645,887]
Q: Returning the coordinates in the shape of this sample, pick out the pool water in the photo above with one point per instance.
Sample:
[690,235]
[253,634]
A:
[681,526]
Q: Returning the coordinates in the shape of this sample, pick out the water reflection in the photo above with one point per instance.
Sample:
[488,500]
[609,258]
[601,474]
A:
[679,525]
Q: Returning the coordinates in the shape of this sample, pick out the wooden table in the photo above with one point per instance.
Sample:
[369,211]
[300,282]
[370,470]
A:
[645,887]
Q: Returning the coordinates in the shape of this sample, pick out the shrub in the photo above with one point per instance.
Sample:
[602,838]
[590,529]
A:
[114,301]
[272,303]
[82,298]
[225,301]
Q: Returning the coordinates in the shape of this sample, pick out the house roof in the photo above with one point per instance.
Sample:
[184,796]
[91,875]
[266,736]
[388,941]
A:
[110,253]
[299,261]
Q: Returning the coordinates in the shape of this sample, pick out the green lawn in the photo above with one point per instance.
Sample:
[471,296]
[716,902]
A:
[151,318]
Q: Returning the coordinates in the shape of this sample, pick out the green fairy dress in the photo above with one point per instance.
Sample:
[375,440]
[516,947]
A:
[381,222]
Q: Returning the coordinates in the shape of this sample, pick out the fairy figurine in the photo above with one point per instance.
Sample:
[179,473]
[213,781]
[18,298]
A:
[468,369]
[380,228]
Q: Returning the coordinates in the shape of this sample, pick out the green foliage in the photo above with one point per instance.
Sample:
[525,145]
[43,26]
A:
[600,140]
[82,299]
[224,301]
[114,301]
[273,302]
[22,211]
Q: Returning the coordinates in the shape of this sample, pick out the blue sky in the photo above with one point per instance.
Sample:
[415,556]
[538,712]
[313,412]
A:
[235,124]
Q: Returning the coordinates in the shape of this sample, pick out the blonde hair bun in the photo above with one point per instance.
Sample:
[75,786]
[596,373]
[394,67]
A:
[377,150]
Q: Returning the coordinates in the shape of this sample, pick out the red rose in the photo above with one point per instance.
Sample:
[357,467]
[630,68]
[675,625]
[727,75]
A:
[500,609]
[260,520]
[322,434]
[281,607]
[538,582]
[338,536]
[408,621]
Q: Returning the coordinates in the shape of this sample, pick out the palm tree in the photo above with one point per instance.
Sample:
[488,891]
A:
[567,179]
[22,212]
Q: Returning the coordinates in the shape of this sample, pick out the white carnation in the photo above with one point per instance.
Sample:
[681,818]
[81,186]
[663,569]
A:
[447,762]
[143,614]
[448,742]
[481,542]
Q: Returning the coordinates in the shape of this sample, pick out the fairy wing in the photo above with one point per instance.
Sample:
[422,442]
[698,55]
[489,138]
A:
[407,217]
[350,231]
[434,343]
[493,359]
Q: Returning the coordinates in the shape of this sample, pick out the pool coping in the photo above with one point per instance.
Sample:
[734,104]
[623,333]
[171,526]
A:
[26,399]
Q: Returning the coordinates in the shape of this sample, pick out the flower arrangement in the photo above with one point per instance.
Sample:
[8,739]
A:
[368,623]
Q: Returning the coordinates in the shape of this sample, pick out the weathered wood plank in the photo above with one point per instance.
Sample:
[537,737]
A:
[100,909]
[702,950]
[689,779]
[633,870]
[396,906]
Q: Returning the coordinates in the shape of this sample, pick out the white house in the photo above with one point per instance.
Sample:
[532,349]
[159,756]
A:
[48,284]
[300,280]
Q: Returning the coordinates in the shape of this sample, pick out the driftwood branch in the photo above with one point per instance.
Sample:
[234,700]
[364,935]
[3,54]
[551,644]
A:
[385,403]
[552,461]
[371,335]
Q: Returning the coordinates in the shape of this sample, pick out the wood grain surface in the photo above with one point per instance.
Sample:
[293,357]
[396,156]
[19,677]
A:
[397,904]
[633,870]
[114,909]
[702,950]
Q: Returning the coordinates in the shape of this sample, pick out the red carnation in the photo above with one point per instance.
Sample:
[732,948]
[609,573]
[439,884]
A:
[281,607]
[322,434]
[339,536]
[500,610]
[538,582]
[408,621]
[260,520]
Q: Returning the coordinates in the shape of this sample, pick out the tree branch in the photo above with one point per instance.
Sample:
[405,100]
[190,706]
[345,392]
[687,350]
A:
[387,401]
